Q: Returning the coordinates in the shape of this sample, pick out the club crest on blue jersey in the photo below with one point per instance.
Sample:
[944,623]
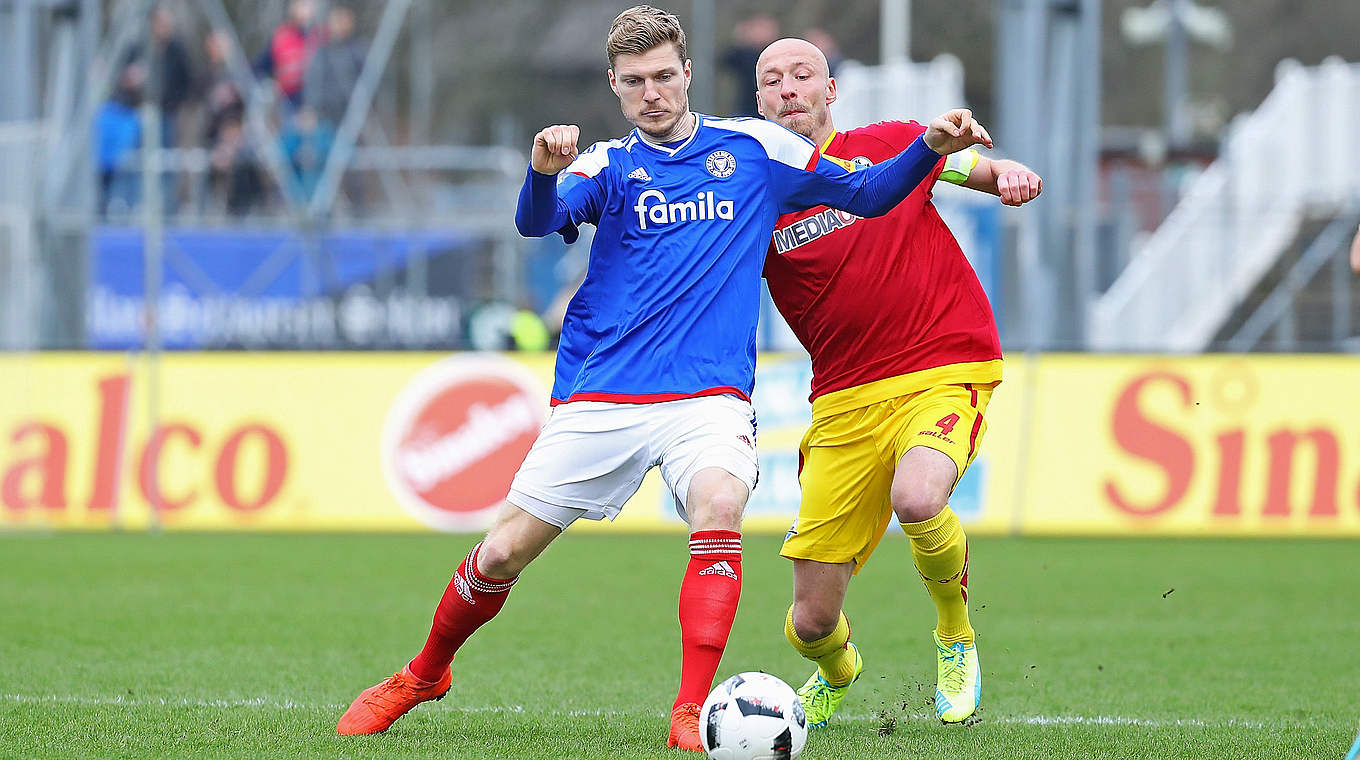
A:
[861,162]
[721,164]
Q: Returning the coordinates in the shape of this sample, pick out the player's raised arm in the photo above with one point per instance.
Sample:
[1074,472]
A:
[544,207]
[876,190]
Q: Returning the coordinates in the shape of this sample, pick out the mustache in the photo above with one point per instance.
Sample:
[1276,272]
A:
[785,111]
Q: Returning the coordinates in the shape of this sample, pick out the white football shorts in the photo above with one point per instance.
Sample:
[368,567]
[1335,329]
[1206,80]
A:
[591,455]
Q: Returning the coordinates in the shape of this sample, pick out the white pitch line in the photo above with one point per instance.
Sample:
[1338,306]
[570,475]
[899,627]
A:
[1081,720]
[288,704]
[119,700]
[125,701]
[1117,720]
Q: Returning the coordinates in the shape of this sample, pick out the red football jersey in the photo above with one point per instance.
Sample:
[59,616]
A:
[872,299]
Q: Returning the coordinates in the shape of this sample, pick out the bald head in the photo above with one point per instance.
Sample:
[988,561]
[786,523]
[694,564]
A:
[794,87]
[794,49]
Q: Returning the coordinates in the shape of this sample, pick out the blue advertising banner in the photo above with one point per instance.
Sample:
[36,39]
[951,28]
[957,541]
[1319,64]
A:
[224,289]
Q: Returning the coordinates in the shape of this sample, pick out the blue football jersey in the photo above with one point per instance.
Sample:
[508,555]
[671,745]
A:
[671,297]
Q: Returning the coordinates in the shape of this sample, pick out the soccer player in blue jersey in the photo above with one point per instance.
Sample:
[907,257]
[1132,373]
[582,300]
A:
[657,358]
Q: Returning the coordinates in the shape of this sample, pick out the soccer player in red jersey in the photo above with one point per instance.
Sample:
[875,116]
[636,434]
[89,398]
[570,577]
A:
[905,355]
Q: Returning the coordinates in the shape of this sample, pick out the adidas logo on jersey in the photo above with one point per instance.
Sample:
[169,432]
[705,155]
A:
[660,211]
[720,568]
[640,174]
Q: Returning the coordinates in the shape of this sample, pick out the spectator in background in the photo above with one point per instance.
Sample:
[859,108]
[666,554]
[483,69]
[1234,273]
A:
[290,48]
[177,75]
[234,173]
[177,78]
[749,39]
[306,141]
[331,77]
[221,99]
[175,84]
[118,133]
[234,185]
[334,70]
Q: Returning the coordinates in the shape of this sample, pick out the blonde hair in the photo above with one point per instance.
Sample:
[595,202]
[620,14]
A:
[641,28]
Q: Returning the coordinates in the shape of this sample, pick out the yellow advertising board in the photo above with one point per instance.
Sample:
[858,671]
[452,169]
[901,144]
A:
[1232,445]
[1194,445]
[274,442]
[287,441]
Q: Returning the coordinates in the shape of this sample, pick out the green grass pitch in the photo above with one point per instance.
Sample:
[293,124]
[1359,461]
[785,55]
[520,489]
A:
[204,645]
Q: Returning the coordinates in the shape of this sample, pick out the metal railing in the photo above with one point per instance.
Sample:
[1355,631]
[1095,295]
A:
[400,177]
[1239,215]
[46,274]
[1278,311]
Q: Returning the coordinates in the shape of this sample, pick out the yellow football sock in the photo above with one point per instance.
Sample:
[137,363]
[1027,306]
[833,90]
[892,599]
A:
[940,550]
[834,659]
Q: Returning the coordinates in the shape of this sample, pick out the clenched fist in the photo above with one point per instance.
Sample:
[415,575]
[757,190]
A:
[1018,186]
[555,148]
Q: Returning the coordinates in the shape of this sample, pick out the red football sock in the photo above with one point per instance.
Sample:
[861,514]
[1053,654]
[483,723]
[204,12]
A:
[708,605]
[470,600]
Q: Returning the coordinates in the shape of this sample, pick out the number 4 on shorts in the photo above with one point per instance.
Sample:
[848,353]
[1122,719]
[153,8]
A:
[947,423]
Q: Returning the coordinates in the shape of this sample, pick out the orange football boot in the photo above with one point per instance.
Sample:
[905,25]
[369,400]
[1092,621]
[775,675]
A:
[378,707]
[685,727]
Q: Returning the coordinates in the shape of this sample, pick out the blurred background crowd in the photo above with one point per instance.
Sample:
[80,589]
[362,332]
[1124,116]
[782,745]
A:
[313,63]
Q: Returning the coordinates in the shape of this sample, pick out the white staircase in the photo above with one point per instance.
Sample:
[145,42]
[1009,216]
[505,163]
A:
[1298,154]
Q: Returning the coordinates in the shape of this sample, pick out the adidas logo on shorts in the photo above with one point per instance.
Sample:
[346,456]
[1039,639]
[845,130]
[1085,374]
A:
[719,568]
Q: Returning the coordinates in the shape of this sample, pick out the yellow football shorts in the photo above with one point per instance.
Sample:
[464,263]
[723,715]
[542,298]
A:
[847,462]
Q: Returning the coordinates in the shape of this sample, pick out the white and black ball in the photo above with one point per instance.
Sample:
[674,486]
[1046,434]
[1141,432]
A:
[753,716]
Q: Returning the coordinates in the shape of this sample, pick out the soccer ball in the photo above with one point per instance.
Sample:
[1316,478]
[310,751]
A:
[753,716]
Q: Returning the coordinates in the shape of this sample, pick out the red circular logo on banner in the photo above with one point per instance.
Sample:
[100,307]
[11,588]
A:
[456,435]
